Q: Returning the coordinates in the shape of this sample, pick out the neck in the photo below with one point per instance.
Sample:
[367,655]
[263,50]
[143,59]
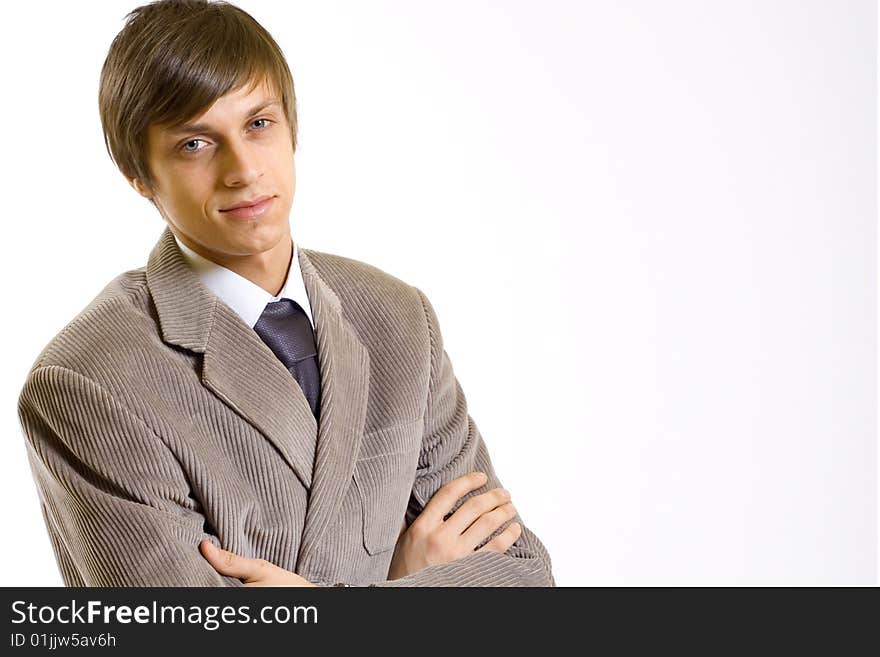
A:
[267,269]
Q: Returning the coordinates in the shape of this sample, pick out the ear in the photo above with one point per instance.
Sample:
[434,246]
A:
[140,188]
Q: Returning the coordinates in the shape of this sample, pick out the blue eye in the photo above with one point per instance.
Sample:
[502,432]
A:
[190,150]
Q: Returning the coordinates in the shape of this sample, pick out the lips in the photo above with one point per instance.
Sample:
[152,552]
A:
[247,212]
[246,204]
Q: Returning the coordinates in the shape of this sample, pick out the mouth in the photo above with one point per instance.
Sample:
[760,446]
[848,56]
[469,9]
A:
[249,209]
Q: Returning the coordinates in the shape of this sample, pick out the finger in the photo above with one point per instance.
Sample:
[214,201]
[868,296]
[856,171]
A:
[447,495]
[504,540]
[487,524]
[229,563]
[474,508]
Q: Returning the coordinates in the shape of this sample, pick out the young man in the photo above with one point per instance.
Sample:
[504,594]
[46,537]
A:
[293,408]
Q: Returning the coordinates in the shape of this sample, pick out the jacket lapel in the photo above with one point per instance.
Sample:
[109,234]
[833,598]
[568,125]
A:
[345,375]
[244,373]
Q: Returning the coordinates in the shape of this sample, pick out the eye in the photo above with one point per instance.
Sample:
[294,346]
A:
[268,122]
[190,150]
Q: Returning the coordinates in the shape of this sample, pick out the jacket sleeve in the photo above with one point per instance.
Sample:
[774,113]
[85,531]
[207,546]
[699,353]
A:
[114,498]
[451,447]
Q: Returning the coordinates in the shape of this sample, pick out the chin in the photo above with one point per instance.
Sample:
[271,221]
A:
[259,241]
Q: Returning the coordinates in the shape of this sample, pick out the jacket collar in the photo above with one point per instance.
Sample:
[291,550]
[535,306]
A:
[243,373]
[246,298]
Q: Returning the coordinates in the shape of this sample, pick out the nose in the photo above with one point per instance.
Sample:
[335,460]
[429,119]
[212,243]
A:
[241,166]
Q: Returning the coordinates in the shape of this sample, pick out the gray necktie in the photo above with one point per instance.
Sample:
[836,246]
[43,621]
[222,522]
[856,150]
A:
[287,331]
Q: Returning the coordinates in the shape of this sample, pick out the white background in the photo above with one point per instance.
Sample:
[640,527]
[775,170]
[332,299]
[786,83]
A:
[648,230]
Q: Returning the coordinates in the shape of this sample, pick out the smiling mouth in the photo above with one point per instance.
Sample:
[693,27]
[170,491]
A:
[247,204]
[250,211]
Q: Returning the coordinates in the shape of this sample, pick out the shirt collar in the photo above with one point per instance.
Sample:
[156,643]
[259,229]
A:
[246,298]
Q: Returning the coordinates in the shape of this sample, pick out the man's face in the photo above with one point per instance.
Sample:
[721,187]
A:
[239,150]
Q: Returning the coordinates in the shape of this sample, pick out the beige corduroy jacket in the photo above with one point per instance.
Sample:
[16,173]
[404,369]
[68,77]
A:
[157,418]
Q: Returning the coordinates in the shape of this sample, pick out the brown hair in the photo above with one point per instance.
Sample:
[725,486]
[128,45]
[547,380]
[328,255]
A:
[171,61]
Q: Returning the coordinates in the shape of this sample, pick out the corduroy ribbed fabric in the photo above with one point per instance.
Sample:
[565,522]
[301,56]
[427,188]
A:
[157,418]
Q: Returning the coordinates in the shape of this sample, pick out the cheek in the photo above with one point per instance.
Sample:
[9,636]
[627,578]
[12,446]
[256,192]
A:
[190,190]
[187,202]
[286,171]
[283,157]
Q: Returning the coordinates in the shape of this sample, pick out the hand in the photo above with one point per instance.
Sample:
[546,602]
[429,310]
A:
[254,572]
[431,539]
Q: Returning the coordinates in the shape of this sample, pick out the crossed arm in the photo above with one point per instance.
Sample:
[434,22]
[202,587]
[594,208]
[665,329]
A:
[118,510]
[460,537]
[430,540]
[453,447]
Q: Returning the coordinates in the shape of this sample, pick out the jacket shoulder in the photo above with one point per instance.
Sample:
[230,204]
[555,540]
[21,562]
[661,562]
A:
[353,279]
[383,308]
[122,308]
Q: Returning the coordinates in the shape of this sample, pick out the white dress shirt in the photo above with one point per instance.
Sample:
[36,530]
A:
[247,299]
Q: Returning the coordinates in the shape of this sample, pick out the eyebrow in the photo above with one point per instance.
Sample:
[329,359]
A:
[204,127]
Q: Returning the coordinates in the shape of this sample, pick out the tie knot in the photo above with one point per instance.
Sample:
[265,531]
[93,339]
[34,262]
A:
[281,308]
